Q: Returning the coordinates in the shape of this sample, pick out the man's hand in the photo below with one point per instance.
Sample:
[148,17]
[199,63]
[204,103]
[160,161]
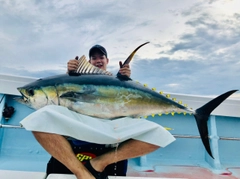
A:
[72,64]
[125,69]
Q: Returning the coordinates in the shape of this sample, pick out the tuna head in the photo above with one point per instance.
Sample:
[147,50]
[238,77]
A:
[37,97]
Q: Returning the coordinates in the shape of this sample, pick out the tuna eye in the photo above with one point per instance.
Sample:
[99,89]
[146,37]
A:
[31,92]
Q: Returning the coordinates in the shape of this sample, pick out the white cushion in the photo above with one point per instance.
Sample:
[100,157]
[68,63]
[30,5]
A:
[61,176]
[10,174]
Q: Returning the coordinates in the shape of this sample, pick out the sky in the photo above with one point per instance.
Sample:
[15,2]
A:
[194,44]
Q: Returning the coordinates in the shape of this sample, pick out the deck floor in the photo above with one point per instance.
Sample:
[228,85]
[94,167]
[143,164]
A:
[56,176]
[165,172]
[159,172]
[188,172]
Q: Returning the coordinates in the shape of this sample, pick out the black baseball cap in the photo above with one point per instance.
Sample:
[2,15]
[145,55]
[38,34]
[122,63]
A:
[97,48]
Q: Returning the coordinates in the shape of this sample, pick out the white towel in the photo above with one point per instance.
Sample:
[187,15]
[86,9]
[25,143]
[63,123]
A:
[60,120]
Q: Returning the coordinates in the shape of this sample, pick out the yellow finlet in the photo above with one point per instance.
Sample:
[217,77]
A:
[168,128]
[168,95]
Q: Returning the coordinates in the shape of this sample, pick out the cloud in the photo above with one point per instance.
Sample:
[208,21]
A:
[30,73]
[235,96]
[208,38]
[194,44]
[187,77]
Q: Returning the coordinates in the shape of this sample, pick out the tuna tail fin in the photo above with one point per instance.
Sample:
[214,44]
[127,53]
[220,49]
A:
[202,114]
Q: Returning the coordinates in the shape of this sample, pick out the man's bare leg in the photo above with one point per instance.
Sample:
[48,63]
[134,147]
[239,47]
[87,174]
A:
[59,148]
[128,149]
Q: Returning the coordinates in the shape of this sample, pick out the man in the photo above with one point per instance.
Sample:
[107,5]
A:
[61,149]
[98,57]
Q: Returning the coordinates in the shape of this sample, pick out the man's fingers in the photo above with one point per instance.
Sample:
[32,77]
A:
[120,64]
[73,64]
[126,66]
[125,70]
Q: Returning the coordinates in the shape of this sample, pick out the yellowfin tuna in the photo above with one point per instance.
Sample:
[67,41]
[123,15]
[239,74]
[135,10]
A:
[94,92]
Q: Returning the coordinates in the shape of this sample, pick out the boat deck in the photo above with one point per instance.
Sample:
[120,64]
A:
[22,157]
[160,172]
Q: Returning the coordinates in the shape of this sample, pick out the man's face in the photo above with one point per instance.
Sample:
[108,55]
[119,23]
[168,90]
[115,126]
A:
[99,60]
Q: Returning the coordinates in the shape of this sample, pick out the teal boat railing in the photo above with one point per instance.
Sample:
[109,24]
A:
[20,151]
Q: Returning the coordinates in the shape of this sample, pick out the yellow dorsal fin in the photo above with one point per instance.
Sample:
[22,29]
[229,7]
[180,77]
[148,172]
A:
[85,67]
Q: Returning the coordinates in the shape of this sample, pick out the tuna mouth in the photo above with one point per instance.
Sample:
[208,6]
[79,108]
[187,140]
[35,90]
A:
[23,98]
